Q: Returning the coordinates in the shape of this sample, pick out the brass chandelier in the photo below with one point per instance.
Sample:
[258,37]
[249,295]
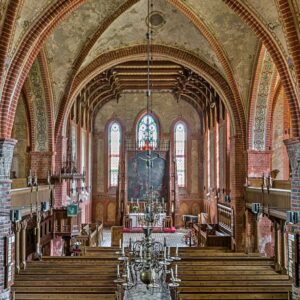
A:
[145,266]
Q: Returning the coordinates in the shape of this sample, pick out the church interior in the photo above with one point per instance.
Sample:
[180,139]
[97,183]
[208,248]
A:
[149,149]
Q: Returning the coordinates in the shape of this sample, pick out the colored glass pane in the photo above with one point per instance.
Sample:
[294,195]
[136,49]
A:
[114,152]
[147,133]
[180,156]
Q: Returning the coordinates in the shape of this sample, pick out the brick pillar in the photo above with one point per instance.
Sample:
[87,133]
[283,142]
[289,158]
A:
[293,149]
[251,232]
[6,154]
[237,180]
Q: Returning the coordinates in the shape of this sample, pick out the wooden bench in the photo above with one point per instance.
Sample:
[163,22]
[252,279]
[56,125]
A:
[205,273]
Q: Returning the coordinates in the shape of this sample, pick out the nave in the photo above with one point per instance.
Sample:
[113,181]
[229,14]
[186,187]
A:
[132,126]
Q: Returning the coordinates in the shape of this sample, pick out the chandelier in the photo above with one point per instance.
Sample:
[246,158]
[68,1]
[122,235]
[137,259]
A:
[146,266]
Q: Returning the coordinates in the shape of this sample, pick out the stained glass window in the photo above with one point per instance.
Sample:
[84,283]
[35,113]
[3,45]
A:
[114,152]
[180,152]
[147,133]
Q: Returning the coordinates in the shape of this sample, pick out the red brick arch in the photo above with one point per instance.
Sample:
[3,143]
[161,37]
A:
[274,50]
[110,59]
[29,49]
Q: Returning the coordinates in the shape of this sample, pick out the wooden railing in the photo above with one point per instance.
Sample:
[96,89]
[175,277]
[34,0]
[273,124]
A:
[275,202]
[28,200]
[225,215]
[91,235]
[64,225]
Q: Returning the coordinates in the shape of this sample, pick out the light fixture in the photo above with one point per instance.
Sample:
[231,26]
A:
[145,266]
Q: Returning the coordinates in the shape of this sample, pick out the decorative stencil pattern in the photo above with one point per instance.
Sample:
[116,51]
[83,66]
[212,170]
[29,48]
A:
[6,154]
[39,107]
[265,80]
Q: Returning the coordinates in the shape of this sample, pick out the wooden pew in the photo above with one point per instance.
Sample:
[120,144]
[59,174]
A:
[206,273]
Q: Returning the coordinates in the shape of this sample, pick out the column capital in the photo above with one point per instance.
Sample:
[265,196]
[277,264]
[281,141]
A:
[18,227]
[293,149]
[24,224]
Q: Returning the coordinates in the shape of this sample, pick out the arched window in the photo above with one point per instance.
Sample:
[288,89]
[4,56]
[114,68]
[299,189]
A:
[147,133]
[114,135]
[180,152]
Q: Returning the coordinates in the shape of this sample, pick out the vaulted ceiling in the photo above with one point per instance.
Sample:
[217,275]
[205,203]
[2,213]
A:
[208,29]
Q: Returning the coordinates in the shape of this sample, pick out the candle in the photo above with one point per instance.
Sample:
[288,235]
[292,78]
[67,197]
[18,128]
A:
[165,242]
[169,251]
[176,250]
[128,273]
[123,251]
[141,252]
[176,269]
[120,243]
[172,274]
[165,252]
[131,246]
[118,270]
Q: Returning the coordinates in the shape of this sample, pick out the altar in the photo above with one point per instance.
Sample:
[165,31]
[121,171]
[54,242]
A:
[138,218]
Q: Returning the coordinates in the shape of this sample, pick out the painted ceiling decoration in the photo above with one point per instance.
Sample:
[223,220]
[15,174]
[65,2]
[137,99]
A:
[39,108]
[213,31]
[261,105]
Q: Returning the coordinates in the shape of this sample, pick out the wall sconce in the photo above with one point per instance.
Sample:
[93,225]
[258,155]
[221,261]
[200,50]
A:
[45,206]
[293,216]
[15,215]
[255,208]
[227,198]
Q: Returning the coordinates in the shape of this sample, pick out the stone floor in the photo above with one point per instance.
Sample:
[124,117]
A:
[172,239]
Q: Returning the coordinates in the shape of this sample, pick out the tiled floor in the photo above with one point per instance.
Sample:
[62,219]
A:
[172,239]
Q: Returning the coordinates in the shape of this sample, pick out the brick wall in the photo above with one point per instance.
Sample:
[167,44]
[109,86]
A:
[266,239]
[280,160]
[21,159]
[126,111]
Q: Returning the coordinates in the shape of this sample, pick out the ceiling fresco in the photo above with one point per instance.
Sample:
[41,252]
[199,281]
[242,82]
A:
[233,36]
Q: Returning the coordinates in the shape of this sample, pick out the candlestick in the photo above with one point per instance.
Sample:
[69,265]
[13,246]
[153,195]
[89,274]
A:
[153,274]
[172,275]
[128,272]
[131,246]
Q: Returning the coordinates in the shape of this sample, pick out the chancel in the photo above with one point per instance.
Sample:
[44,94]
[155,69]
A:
[149,149]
